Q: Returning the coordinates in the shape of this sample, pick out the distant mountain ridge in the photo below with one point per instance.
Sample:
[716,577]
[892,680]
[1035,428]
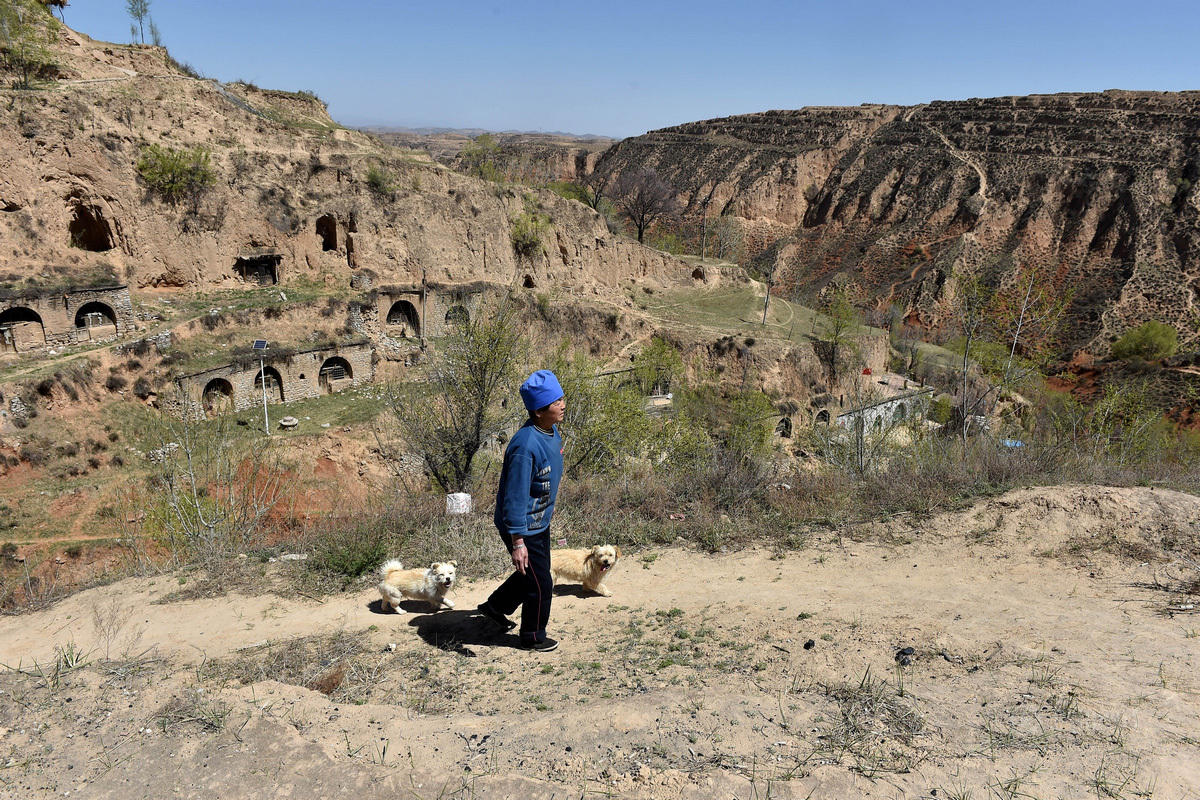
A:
[1095,191]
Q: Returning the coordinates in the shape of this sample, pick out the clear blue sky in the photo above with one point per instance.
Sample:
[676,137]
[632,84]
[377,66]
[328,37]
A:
[622,68]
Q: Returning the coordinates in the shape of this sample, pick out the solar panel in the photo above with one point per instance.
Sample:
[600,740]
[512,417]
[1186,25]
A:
[260,344]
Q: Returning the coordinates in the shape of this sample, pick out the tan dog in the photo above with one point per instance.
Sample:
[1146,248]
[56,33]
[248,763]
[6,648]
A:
[429,585]
[588,566]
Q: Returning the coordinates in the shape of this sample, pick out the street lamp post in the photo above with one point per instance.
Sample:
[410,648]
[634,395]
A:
[261,346]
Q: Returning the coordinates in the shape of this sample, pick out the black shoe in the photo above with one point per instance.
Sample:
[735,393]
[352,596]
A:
[496,617]
[544,646]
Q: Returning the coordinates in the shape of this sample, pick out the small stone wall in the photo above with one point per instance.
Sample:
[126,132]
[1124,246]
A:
[298,376]
[53,317]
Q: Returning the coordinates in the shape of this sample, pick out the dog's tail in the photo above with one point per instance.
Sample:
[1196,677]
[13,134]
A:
[390,566]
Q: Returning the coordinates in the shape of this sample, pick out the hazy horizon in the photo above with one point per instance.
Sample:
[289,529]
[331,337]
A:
[629,68]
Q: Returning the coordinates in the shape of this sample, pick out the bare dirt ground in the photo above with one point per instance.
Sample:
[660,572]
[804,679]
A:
[1055,654]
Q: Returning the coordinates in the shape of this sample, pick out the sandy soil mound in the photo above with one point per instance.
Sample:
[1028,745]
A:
[1053,654]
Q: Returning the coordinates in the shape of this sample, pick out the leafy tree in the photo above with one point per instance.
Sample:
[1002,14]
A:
[447,420]
[139,12]
[480,158]
[836,346]
[26,31]
[1149,341]
[605,424]
[644,198]
[657,367]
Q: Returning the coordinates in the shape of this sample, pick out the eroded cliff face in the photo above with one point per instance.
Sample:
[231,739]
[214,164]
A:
[293,190]
[1093,194]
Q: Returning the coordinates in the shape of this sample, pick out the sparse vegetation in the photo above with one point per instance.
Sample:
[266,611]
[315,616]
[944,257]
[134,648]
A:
[528,229]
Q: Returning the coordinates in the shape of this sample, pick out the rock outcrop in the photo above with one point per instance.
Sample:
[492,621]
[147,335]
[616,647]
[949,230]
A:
[1094,194]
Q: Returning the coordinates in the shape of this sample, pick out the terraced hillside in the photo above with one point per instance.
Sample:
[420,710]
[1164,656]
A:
[1093,193]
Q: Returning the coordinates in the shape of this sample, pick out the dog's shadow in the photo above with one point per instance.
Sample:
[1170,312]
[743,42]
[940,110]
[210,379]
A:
[574,590]
[456,631]
[409,607]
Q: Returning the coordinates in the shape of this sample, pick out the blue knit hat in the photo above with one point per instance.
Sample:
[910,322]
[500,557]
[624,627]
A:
[540,390]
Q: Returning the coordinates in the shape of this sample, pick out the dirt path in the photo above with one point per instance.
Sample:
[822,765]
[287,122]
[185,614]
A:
[1041,664]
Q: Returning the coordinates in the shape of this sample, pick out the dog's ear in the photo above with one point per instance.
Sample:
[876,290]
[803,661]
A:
[433,565]
[597,549]
[454,564]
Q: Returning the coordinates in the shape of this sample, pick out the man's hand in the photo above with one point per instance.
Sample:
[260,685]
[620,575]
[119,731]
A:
[520,555]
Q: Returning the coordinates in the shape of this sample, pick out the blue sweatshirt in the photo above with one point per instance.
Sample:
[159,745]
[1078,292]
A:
[533,466]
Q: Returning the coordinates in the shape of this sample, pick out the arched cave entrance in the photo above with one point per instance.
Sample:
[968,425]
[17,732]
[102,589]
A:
[98,318]
[403,315]
[21,329]
[274,384]
[901,413]
[783,428]
[822,417]
[90,230]
[261,269]
[217,397]
[335,374]
[457,315]
[528,282]
[327,230]
[698,274]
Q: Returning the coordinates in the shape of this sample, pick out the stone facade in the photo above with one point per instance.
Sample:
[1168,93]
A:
[57,319]
[882,414]
[416,312]
[309,373]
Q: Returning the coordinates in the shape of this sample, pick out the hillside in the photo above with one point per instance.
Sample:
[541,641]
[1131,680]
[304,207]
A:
[1093,193]
[289,182]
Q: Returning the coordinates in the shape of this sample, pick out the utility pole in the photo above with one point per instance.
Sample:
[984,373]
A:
[261,346]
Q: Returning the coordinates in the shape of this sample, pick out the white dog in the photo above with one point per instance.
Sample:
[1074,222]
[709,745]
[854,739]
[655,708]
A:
[589,566]
[429,585]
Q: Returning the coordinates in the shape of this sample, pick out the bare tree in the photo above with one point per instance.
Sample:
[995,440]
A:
[644,197]
[139,12]
[215,485]
[595,185]
[446,420]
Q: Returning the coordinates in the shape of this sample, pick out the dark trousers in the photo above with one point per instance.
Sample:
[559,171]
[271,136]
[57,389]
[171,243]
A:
[533,591]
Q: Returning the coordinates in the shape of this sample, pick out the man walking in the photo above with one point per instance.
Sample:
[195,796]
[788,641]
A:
[533,466]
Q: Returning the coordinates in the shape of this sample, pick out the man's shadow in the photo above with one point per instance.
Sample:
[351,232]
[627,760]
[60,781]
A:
[454,630]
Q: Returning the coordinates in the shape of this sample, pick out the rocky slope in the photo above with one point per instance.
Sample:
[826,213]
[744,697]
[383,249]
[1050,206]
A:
[1092,193]
[290,182]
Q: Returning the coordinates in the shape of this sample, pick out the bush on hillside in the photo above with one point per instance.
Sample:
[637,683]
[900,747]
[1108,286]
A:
[176,175]
[1149,341]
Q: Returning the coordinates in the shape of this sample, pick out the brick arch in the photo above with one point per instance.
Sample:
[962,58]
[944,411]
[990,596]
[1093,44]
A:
[274,384]
[217,397]
[334,370]
[95,313]
[457,315]
[21,328]
[822,417]
[403,313]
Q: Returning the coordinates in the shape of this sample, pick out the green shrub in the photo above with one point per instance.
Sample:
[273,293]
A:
[379,181]
[352,548]
[176,175]
[527,231]
[569,190]
[1150,341]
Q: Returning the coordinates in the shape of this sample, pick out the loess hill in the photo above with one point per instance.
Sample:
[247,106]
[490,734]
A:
[1093,193]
